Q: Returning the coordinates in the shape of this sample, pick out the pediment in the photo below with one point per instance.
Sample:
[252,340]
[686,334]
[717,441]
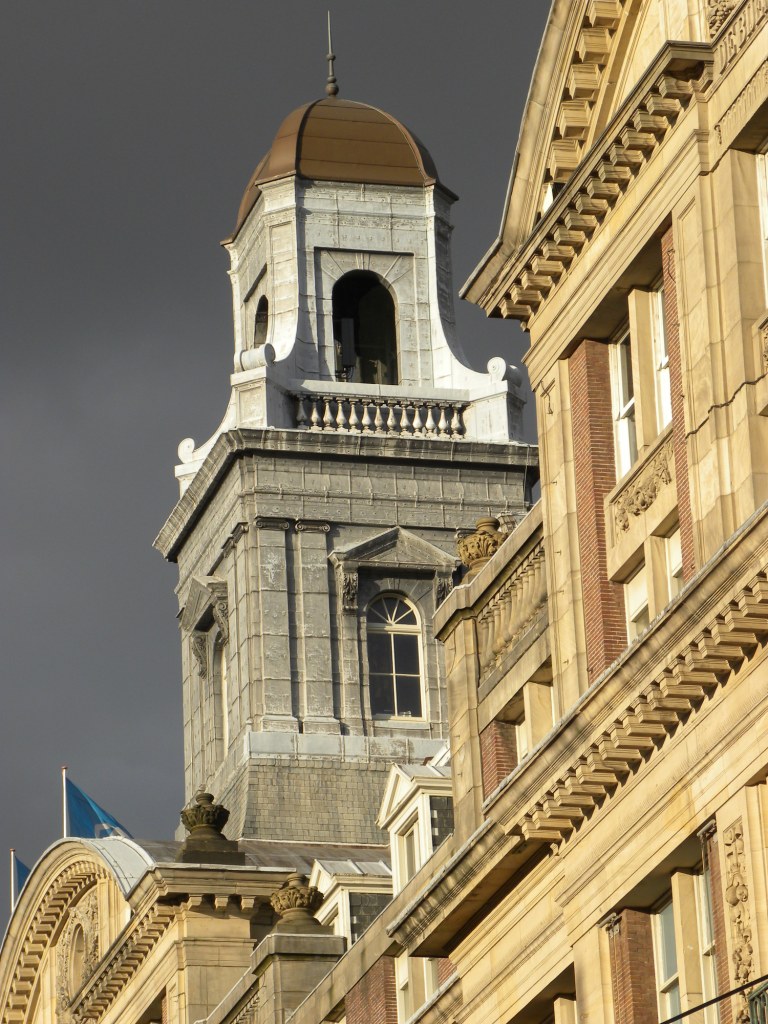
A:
[205,593]
[398,787]
[394,548]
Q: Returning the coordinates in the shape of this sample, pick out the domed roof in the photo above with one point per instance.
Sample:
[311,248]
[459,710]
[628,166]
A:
[339,140]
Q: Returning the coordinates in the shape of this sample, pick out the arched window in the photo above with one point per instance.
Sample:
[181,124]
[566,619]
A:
[262,322]
[76,960]
[364,330]
[394,657]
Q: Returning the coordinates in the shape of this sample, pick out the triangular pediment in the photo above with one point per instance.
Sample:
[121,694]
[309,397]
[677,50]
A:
[204,592]
[394,548]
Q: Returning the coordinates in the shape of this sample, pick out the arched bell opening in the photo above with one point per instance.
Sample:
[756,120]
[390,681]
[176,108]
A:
[262,322]
[364,330]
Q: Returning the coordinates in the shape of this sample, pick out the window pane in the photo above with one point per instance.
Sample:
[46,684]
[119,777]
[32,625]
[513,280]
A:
[382,695]
[626,384]
[379,652]
[406,654]
[409,696]
[405,616]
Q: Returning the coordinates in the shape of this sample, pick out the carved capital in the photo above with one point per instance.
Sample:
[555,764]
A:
[312,526]
[271,523]
[640,493]
[476,548]
[295,898]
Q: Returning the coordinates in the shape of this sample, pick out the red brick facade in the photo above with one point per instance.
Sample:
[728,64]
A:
[373,1000]
[595,471]
[498,754]
[633,973]
[672,329]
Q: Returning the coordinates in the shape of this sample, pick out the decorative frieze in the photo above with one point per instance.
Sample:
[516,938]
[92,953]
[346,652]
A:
[718,12]
[641,492]
[737,898]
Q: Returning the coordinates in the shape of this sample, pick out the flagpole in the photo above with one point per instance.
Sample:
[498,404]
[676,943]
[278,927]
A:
[64,815]
[13,887]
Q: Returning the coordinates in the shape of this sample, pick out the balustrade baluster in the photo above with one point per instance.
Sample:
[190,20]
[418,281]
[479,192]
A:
[378,421]
[301,413]
[405,419]
[442,426]
[456,425]
[317,423]
[341,416]
[367,421]
[429,426]
[327,415]
[391,421]
[354,422]
[418,423]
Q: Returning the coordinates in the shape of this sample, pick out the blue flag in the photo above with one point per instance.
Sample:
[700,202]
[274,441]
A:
[19,874]
[86,819]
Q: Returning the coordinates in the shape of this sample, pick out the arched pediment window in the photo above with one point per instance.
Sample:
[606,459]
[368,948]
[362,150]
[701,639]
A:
[394,658]
[364,330]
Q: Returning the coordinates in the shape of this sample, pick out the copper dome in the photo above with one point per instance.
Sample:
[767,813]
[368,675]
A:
[339,140]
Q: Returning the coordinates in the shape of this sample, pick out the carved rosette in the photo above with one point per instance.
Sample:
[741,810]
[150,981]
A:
[638,496]
[296,898]
[718,12]
[737,898]
[204,818]
[76,961]
[476,548]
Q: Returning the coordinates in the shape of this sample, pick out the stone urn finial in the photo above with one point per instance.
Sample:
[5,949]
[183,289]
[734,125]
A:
[476,548]
[206,843]
[204,819]
[295,902]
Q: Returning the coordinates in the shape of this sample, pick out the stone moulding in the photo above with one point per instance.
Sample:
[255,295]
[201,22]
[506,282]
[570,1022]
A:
[745,104]
[641,492]
[67,890]
[612,755]
[595,186]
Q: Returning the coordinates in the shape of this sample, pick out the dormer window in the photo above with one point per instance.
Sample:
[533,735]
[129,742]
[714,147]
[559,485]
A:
[364,331]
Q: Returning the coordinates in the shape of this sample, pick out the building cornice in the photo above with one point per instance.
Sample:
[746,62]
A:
[521,285]
[235,444]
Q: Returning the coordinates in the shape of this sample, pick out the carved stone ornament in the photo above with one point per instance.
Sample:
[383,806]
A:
[348,584]
[199,645]
[476,548]
[312,526]
[296,899]
[443,587]
[737,898]
[220,610]
[204,818]
[640,493]
[717,14]
[764,339]
[77,951]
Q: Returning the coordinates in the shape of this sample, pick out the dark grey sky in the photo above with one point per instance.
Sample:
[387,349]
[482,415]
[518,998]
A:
[129,131]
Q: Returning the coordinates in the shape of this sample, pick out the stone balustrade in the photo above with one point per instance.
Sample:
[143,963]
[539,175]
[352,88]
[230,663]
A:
[514,606]
[375,414]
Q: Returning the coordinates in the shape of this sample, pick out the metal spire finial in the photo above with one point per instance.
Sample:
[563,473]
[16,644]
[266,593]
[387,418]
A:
[331,85]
